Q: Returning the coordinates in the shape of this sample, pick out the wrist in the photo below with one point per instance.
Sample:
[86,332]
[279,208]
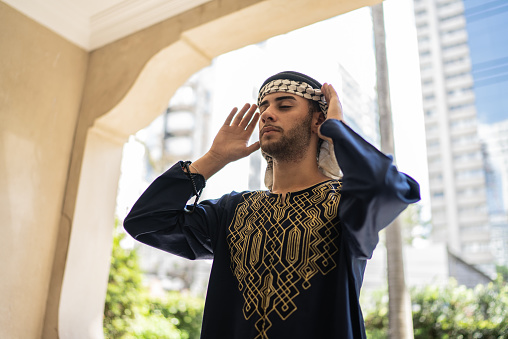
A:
[208,164]
[215,159]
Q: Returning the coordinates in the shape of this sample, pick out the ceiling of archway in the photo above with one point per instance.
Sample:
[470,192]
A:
[94,23]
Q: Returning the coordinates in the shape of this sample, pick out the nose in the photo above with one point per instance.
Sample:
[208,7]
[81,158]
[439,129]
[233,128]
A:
[267,115]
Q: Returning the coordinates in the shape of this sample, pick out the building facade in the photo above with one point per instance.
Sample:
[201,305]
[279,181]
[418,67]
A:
[464,73]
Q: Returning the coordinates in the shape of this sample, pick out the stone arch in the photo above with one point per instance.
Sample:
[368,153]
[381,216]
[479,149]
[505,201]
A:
[91,236]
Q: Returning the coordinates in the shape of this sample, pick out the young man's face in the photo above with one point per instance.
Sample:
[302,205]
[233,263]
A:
[284,126]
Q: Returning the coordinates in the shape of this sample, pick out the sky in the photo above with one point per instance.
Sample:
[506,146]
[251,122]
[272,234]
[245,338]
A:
[315,50]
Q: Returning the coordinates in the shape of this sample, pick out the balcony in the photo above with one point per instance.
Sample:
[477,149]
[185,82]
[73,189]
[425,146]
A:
[466,113]
[436,169]
[419,5]
[439,220]
[470,164]
[428,87]
[424,46]
[421,19]
[438,203]
[450,86]
[455,23]
[458,51]
[472,235]
[460,97]
[433,151]
[450,10]
[462,65]
[463,183]
[431,119]
[432,135]
[454,38]
[465,147]
[436,185]
[461,81]
[473,201]
[463,130]
[426,69]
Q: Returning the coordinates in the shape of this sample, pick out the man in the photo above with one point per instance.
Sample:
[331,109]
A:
[288,262]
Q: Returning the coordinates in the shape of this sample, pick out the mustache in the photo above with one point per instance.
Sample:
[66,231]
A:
[270,127]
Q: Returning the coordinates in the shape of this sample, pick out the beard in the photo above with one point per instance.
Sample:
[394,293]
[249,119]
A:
[291,145]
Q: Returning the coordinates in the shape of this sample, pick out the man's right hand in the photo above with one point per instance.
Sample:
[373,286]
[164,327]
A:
[231,143]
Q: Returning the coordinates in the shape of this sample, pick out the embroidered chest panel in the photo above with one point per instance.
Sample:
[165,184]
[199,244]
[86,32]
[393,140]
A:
[278,245]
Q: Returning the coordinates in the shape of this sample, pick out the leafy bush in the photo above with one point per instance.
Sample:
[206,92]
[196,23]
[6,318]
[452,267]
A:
[130,312]
[457,312]
[450,311]
[376,321]
[125,293]
[184,311]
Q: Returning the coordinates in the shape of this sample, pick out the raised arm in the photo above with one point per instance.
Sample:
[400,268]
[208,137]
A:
[160,219]
[374,192]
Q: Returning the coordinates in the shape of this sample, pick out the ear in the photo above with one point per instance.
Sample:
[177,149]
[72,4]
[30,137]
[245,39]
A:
[317,119]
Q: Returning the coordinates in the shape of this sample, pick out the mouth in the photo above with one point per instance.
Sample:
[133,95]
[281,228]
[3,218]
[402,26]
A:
[270,130]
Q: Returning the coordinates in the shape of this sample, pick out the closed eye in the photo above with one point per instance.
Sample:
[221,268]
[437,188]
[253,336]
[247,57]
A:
[282,100]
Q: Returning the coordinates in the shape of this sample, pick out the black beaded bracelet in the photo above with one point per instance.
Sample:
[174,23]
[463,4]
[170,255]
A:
[191,175]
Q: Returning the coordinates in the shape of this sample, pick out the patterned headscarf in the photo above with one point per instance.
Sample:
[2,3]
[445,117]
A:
[308,88]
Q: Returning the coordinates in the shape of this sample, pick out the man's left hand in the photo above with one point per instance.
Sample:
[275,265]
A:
[334,106]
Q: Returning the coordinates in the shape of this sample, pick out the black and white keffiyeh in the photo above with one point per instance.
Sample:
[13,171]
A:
[308,88]
[299,88]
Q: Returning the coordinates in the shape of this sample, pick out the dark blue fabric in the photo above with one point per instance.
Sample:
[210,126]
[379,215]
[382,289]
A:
[372,193]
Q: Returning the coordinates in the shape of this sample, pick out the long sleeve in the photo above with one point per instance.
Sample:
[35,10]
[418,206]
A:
[160,219]
[374,192]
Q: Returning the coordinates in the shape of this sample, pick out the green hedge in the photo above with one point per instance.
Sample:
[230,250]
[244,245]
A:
[449,311]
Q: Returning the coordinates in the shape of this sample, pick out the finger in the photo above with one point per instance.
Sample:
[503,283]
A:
[230,117]
[324,90]
[332,92]
[246,119]
[253,123]
[334,95]
[239,115]
[254,147]
[328,91]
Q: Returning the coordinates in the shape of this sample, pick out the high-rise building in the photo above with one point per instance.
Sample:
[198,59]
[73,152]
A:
[463,47]
[359,105]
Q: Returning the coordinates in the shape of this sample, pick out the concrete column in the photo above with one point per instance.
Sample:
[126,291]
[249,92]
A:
[87,266]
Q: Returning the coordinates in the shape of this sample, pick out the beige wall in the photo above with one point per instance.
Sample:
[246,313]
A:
[41,82]
[64,116]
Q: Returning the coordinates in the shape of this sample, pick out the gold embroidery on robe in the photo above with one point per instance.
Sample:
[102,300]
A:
[277,245]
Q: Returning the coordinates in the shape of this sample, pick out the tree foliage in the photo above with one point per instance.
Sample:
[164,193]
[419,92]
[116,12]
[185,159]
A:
[450,311]
[130,312]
